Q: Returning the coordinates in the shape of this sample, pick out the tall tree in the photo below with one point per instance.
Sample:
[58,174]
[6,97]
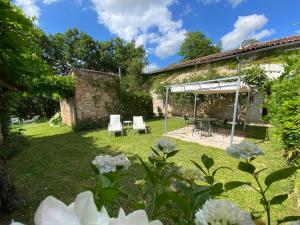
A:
[134,79]
[248,42]
[77,49]
[196,45]
[21,64]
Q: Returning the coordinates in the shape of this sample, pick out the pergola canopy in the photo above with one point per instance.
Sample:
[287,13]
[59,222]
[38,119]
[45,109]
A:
[233,85]
[211,87]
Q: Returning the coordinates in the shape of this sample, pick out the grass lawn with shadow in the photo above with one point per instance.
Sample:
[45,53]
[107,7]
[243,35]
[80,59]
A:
[57,162]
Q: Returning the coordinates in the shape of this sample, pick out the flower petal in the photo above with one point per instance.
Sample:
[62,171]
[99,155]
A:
[16,223]
[85,208]
[54,212]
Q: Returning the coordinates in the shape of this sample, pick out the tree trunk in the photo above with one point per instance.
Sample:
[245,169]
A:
[8,197]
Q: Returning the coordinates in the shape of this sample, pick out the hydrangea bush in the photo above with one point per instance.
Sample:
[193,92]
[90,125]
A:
[167,192]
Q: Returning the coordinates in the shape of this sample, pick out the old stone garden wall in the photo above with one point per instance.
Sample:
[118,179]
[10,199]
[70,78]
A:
[94,100]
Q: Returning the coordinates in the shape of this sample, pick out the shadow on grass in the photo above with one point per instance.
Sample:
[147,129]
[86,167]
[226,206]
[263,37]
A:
[59,165]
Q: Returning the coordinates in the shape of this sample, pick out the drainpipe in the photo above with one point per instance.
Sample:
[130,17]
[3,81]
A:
[238,67]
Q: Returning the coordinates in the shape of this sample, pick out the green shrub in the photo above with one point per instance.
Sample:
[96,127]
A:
[56,120]
[135,104]
[284,108]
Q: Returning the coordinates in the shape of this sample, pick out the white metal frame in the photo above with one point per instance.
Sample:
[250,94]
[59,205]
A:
[237,91]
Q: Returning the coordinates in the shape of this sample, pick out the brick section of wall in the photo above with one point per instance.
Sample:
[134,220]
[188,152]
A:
[67,111]
[95,97]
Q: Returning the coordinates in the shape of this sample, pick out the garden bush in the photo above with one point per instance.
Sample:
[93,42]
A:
[55,120]
[284,107]
[135,104]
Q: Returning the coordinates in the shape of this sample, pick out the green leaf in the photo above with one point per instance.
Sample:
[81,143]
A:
[149,173]
[288,219]
[207,161]
[280,175]
[279,199]
[217,189]
[155,152]
[246,167]
[235,184]
[219,168]
[182,203]
[209,179]
[105,182]
[172,153]
[199,167]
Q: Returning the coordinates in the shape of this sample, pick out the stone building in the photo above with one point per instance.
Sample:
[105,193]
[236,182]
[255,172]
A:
[267,55]
[94,98]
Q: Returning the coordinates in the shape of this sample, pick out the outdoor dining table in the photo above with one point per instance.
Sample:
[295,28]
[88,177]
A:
[208,121]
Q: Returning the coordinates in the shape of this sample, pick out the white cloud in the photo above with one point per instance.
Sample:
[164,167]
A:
[187,10]
[150,67]
[147,21]
[29,7]
[50,1]
[298,31]
[169,44]
[234,3]
[244,28]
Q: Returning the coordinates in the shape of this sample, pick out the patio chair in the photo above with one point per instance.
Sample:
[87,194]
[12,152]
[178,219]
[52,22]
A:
[139,124]
[15,120]
[32,120]
[221,127]
[188,122]
[115,125]
[199,127]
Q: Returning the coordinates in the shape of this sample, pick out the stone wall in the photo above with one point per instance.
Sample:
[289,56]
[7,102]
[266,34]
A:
[95,97]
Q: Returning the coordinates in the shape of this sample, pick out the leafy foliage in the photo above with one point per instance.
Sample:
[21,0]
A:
[284,106]
[196,45]
[75,48]
[255,75]
[247,166]
[248,42]
[180,100]
[55,120]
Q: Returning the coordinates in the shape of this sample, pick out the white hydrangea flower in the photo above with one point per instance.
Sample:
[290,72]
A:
[108,163]
[244,150]
[138,217]
[222,212]
[295,222]
[166,145]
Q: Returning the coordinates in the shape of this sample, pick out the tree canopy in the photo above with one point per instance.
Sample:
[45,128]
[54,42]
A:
[21,59]
[75,48]
[196,45]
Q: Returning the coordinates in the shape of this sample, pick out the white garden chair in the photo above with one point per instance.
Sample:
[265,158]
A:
[139,124]
[115,125]
[32,120]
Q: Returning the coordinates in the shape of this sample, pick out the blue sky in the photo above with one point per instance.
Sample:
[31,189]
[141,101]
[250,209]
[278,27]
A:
[160,25]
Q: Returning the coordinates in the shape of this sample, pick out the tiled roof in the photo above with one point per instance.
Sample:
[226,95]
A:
[232,53]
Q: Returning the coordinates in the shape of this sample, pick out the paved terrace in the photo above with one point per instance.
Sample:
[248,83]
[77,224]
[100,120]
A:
[220,139]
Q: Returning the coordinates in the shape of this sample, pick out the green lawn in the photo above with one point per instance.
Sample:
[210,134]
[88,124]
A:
[56,162]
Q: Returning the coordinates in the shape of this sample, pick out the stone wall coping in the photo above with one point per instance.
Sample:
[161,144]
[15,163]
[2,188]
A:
[80,70]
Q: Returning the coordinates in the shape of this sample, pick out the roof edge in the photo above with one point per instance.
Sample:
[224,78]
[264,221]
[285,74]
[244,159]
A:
[263,46]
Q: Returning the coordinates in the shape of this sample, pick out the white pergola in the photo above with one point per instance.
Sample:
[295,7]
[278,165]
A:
[229,85]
